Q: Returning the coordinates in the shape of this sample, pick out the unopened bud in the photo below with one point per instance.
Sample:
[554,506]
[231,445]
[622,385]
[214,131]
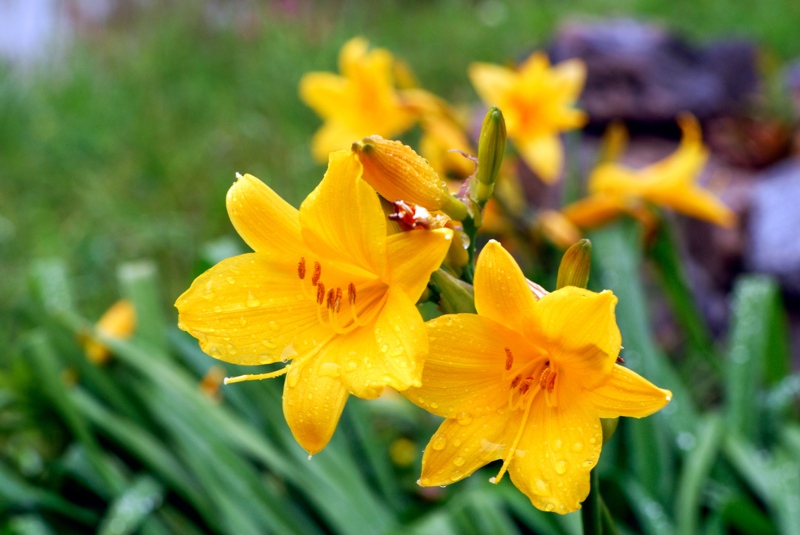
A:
[456,296]
[399,173]
[575,265]
[491,147]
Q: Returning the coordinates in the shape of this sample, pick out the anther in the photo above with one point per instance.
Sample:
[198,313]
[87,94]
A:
[620,360]
[337,302]
[516,381]
[547,381]
[509,359]
[320,293]
[317,274]
[301,268]
[331,296]
[526,384]
[351,293]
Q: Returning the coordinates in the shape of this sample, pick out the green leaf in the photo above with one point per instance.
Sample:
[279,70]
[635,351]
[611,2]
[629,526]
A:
[132,506]
[139,283]
[696,469]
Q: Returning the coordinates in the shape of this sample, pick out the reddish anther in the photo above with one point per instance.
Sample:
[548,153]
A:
[301,268]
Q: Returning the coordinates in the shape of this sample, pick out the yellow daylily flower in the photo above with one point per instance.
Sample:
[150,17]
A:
[326,287]
[671,182]
[361,102]
[527,381]
[118,321]
[538,104]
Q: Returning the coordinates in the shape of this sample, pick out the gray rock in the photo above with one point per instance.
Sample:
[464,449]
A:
[774,227]
[643,73]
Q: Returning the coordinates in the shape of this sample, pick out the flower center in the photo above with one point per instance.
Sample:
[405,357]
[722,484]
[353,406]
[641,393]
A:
[363,298]
[524,388]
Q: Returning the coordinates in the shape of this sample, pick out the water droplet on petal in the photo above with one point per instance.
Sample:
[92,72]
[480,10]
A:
[578,446]
[560,467]
[231,280]
[434,405]
[459,461]
[549,507]
[438,442]
[252,302]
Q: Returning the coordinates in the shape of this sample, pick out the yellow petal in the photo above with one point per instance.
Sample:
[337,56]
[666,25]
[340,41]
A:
[342,218]
[458,449]
[534,67]
[699,203]
[581,329]
[568,78]
[267,223]
[389,353]
[464,373]
[491,82]
[544,155]
[331,137]
[501,290]
[413,256]
[558,448]
[324,92]
[246,310]
[594,210]
[119,321]
[626,393]
[312,403]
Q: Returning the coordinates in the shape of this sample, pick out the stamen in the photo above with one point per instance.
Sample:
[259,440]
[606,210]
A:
[337,302]
[320,291]
[513,449]
[351,293]
[255,377]
[620,360]
[331,296]
[509,359]
[317,274]
[516,381]
[525,385]
[301,268]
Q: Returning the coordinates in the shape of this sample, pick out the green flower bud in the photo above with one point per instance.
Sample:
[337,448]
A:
[491,147]
[609,426]
[575,265]
[456,296]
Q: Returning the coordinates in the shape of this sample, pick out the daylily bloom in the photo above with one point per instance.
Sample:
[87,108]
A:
[119,321]
[538,104]
[325,287]
[671,182]
[362,102]
[527,380]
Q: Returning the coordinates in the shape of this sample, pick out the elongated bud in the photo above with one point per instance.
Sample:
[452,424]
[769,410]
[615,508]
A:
[609,426]
[400,174]
[491,148]
[575,265]
[456,296]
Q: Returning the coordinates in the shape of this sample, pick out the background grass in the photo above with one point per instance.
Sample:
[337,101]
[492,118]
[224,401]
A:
[124,151]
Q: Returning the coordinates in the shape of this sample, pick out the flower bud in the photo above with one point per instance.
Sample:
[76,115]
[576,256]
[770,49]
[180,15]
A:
[575,265]
[399,173]
[456,296]
[491,147]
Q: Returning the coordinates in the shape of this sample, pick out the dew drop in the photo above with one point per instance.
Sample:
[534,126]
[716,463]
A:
[578,446]
[434,405]
[557,444]
[274,326]
[592,440]
[549,507]
[329,369]
[351,366]
[217,308]
[438,442]
[252,302]
[560,467]
[588,463]
[231,280]
[459,461]
[384,348]
[541,487]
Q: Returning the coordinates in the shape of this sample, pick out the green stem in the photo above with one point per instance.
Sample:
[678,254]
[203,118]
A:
[590,512]
[609,528]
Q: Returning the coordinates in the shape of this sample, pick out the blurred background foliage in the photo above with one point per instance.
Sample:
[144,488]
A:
[121,145]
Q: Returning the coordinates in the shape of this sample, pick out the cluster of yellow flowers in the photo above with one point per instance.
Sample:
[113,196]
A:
[519,375]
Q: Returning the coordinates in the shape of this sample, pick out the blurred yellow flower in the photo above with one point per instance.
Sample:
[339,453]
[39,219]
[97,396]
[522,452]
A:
[361,102]
[538,104]
[325,287]
[527,381]
[671,182]
[119,321]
